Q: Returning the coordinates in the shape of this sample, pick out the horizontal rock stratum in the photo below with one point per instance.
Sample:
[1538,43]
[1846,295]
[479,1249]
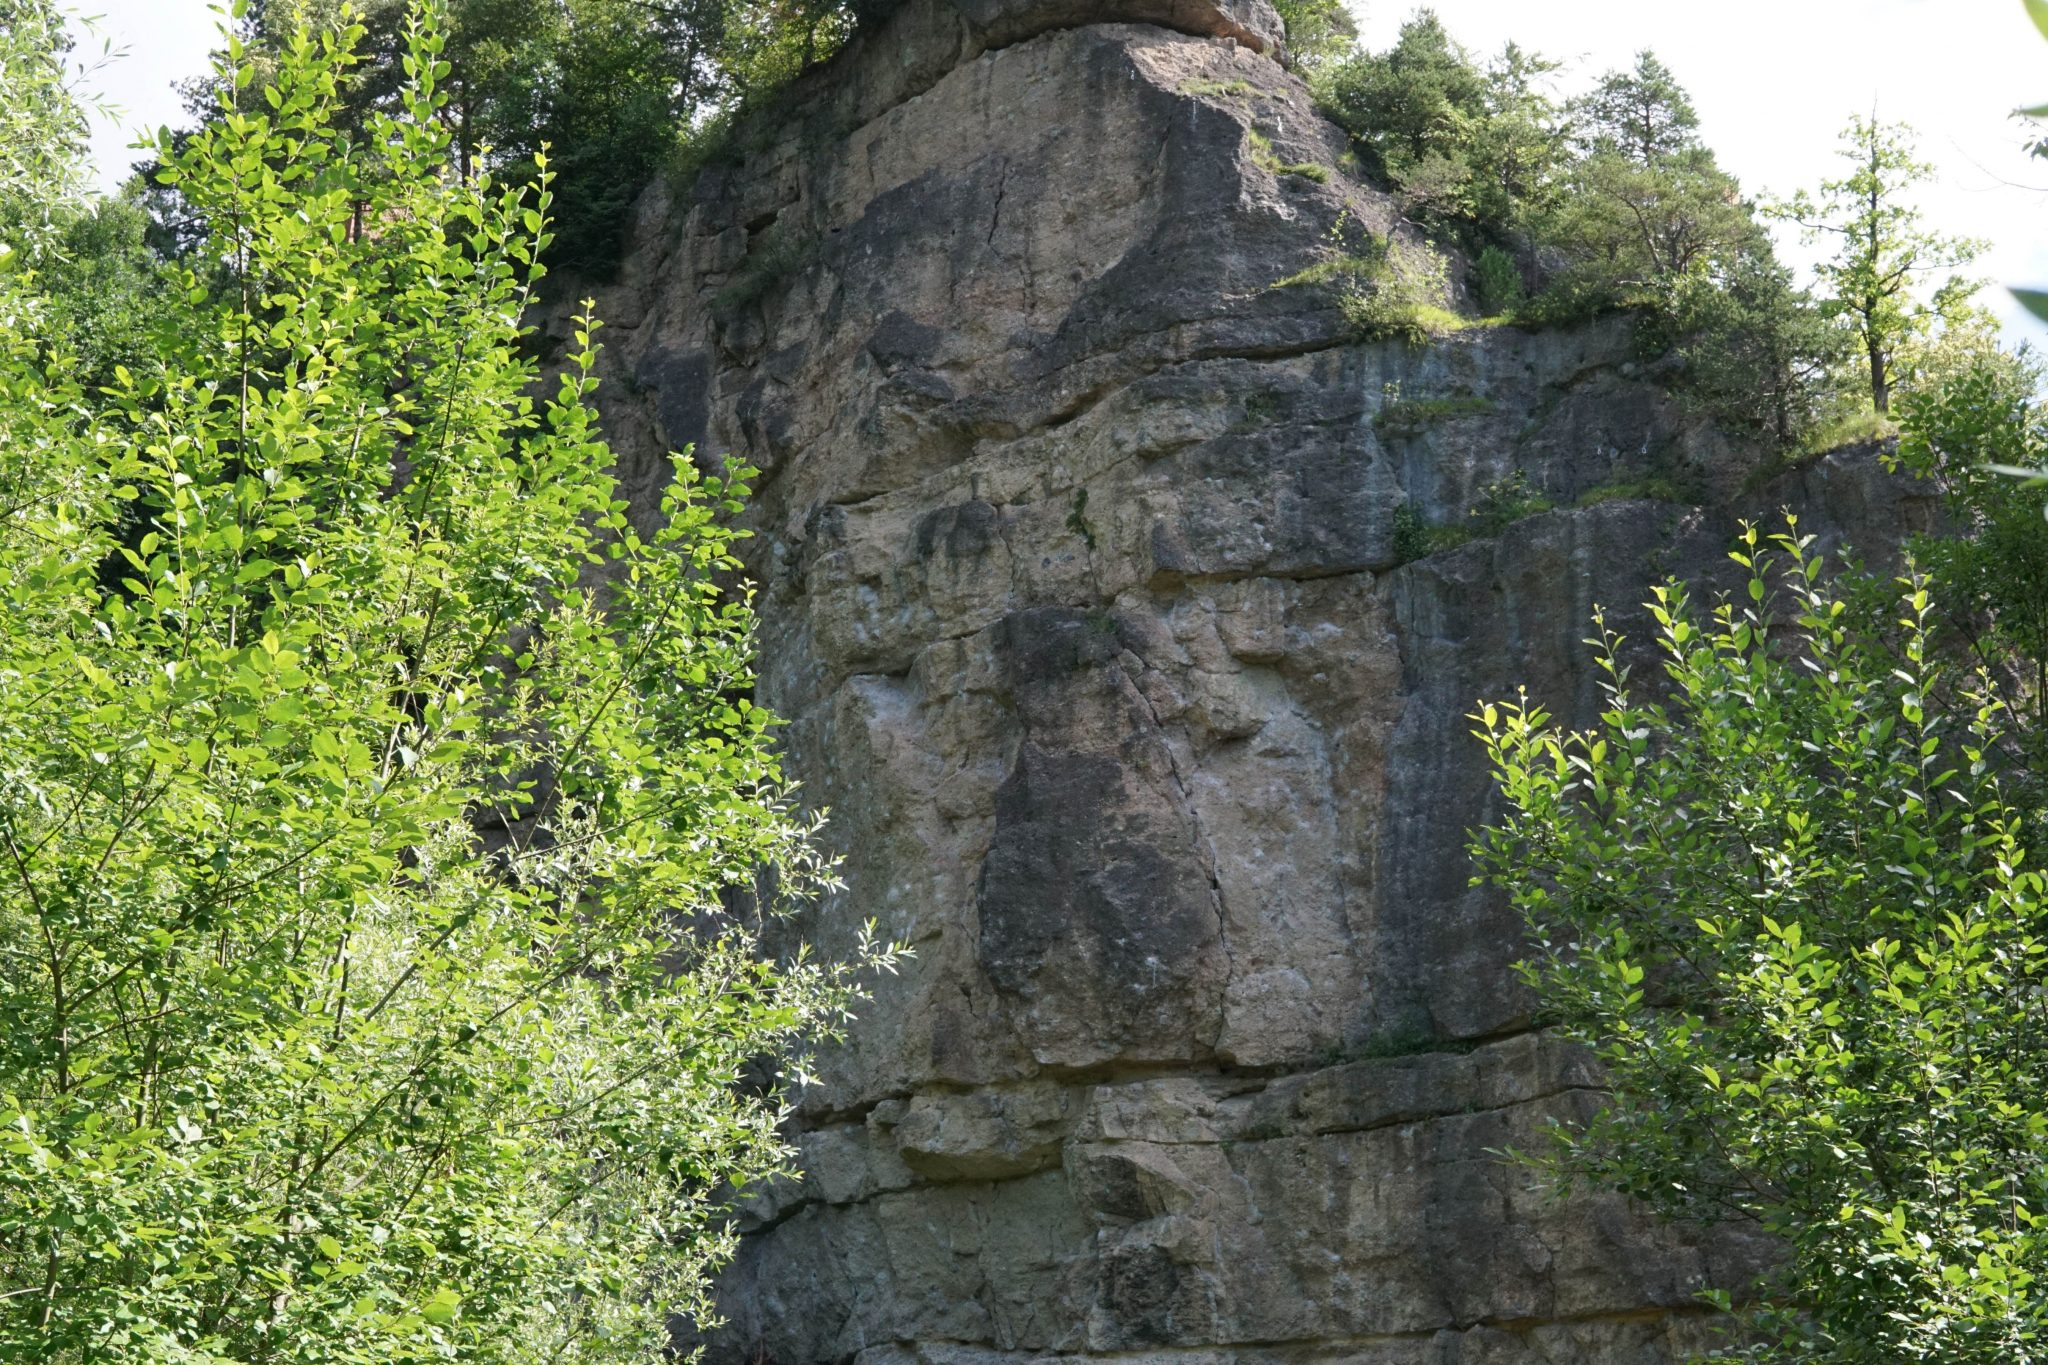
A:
[1080,589]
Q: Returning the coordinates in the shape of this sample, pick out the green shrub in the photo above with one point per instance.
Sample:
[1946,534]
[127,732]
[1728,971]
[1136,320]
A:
[1265,157]
[1572,299]
[1970,435]
[1504,502]
[1415,538]
[1784,889]
[1470,151]
[1349,271]
[1498,282]
[1409,416]
[781,253]
[1650,489]
[1854,426]
[1403,299]
[1501,504]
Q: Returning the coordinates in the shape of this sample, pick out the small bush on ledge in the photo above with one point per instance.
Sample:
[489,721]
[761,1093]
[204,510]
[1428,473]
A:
[1501,504]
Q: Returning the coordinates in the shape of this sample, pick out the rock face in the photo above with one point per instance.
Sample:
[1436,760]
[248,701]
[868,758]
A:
[1080,586]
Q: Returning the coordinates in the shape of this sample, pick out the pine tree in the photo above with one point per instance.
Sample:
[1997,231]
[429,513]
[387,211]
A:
[1645,114]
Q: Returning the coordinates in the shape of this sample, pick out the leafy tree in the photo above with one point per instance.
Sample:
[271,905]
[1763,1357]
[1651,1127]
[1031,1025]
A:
[1882,253]
[102,284]
[93,273]
[1642,114]
[384,834]
[1318,31]
[611,120]
[42,129]
[1645,203]
[1469,148]
[1411,106]
[1517,151]
[1612,202]
[1638,225]
[617,90]
[1497,281]
[1755,352]
[1959,335]
[1796,910]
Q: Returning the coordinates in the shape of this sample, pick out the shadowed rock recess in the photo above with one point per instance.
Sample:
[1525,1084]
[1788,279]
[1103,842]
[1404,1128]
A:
[1079,587]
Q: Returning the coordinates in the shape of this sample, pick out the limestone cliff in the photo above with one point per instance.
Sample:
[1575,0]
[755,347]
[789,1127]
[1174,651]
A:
[1080,589]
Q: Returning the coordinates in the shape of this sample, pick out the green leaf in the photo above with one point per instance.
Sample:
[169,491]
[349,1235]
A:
[2037,10]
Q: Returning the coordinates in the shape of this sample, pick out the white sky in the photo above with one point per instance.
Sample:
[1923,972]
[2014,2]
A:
[1774,80]
[155,42]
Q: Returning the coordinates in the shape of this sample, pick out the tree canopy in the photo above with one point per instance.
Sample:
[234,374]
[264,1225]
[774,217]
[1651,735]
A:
[617,91]
[1882,252]
[385,834]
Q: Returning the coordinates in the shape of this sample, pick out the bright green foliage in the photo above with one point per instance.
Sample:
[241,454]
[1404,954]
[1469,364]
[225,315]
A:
[42,129]
[1959,335]
[1960,434]
[1796,913]
[384,829]
[1386,288]
[1402,297]
[1317,30]
[1882,253]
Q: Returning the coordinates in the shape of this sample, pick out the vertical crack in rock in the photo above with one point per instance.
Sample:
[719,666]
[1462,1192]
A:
[1203,847]
[995,218]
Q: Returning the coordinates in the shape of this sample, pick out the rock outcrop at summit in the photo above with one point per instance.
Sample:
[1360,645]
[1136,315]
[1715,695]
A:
[1081,588]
